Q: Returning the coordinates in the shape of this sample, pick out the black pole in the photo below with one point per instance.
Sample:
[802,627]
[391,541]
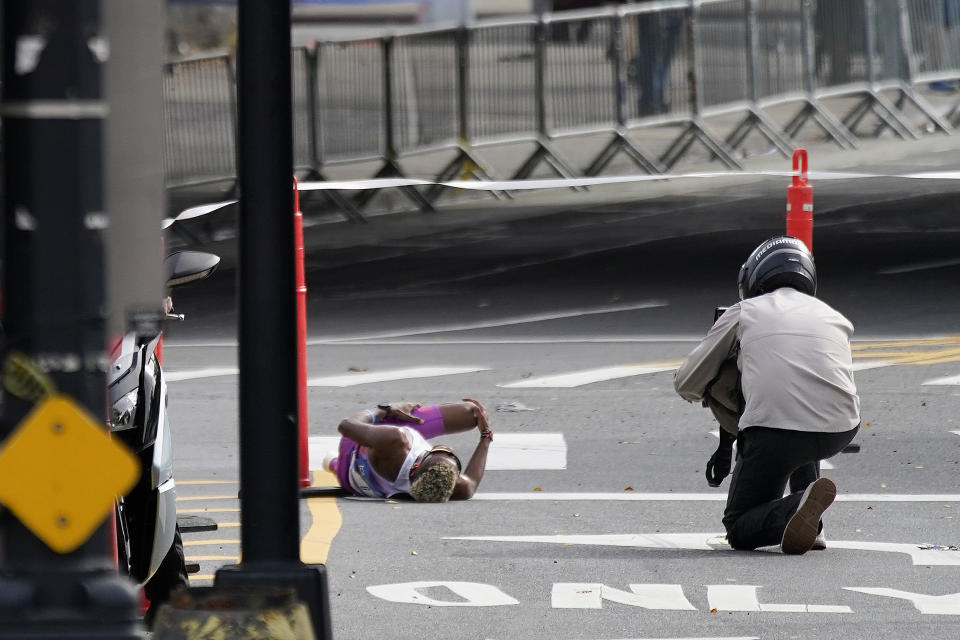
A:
[389,143]
[312,60]
[267,314]
[539,74]
[619,73]
[269,481]
[463,84]
[53,298]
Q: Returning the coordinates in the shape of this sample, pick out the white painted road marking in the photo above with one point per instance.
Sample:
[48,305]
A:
[743,597]
[195,374]
[589,376]
[719,496]
[943,605]
[563,380]
[590,595]
[500,322]
[664,597]
[571,339]
[947,380]
[508,451]
[708,497]
[920,266]
[715,542]
[527,451]
[474,594]
[351,379]
[645,339]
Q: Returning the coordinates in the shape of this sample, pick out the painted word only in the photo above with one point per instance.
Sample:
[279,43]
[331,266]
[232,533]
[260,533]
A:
[670,597]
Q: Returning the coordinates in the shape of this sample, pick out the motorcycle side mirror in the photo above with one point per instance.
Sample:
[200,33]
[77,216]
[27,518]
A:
[186,266]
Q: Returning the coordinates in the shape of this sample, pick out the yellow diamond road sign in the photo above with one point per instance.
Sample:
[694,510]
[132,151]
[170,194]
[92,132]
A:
[60,472]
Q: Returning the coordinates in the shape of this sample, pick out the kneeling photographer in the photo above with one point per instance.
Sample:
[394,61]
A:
[799,403]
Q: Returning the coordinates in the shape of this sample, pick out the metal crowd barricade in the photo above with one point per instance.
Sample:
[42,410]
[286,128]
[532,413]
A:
[350,105]
[780,67]
[425,93]
[797,88]
[506,101]
[866,63]
[430,104]
[305,153]
[350,113]
[741,58]
[584,80]
[389,154]
[307,158]
[637,73]
[933,51]
[668,74]
[200,121]
[889,40]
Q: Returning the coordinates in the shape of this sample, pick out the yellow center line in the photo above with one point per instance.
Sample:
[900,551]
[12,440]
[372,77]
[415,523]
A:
[198,498]
[889,353]
[326,521]
[924,357]
[211,510]
[196,482]
[212,558]
[920,351]
[201,576]
[935,358]
[204,543]
[662,363]
[917,342]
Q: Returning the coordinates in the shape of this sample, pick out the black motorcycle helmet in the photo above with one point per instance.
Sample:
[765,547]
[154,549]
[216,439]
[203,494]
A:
[781,261]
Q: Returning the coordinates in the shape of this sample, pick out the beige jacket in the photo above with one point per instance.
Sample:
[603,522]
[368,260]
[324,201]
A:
[794,358]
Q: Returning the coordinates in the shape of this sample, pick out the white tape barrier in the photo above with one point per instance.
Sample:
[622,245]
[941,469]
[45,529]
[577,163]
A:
[196,212]
[556,183]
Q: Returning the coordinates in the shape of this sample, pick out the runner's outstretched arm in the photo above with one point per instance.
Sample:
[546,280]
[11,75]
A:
[471,476]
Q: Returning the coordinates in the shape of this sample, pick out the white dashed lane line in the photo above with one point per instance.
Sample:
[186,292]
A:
[499,322]
[945,381]
[589,376]
[367,377]
[196,374]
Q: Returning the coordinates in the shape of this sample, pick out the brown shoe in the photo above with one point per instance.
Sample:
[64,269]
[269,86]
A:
[801,531]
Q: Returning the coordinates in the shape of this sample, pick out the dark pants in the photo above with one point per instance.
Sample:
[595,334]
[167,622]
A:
[757,511]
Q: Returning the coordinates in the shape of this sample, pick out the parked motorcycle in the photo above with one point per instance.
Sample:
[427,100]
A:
[150,550]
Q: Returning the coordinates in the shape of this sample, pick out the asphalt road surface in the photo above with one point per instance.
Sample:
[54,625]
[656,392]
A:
[594,519]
